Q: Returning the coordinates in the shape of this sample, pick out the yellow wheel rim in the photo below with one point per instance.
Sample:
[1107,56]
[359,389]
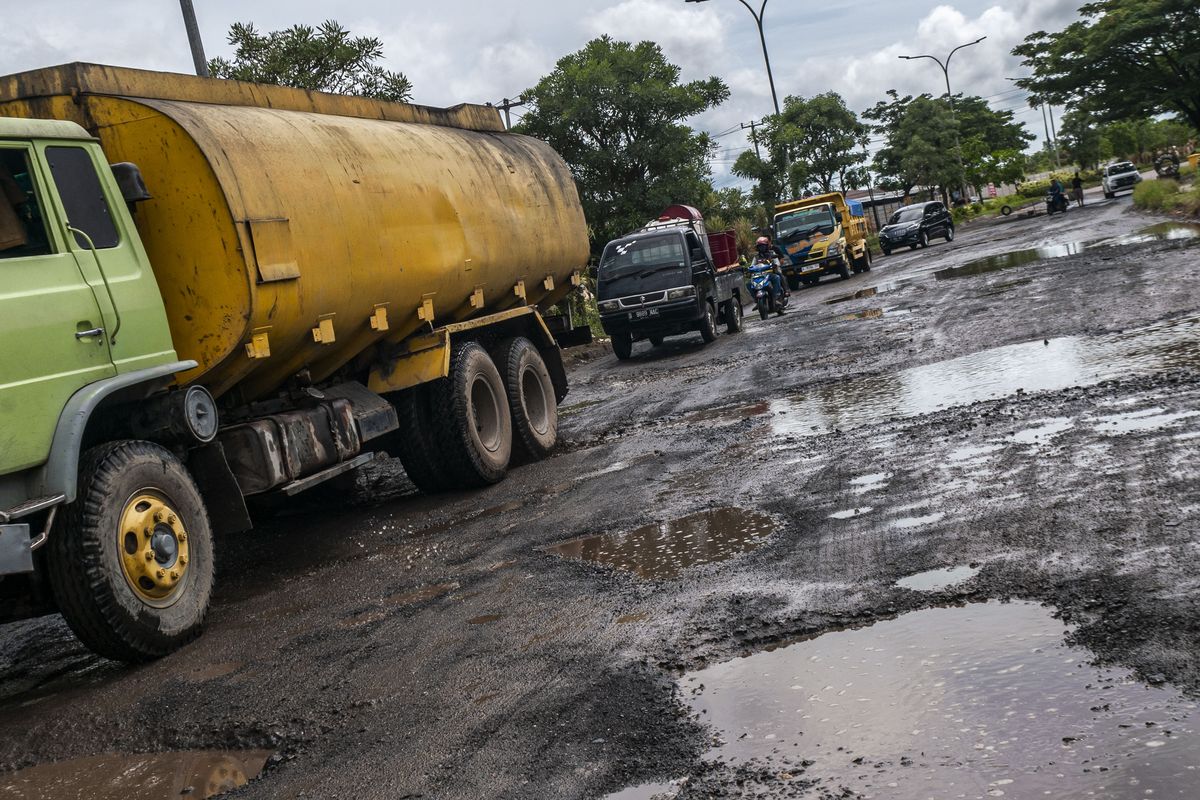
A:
[154,548]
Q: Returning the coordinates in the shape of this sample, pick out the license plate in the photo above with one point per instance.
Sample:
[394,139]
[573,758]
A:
[643,313]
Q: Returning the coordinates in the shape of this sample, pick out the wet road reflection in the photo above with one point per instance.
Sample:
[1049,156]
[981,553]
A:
[149,776]
[1029,366]
[663,550]
[979,701]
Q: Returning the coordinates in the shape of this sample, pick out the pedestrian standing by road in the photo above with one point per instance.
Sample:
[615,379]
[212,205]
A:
[1077,189]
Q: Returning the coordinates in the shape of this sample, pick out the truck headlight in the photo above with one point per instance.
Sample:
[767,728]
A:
[682,291]
[835,249]
[610,305]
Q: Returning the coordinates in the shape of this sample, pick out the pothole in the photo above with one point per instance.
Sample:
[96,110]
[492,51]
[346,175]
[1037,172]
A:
[1039,365]
[148,776]
[935,580]
[974,701]
[663,550]
[1163,231]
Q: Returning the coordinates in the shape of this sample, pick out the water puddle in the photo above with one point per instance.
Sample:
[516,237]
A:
[989,374]
[851,513]
[1149,419]
[873,482]
[1164,231]
[870,291]
[905,523]
[663,550]
[979,701]
[935,580]
[1045,430]
[151,776]
[729,414]
[647,791]
[420,594]
[629,619]
[485,619]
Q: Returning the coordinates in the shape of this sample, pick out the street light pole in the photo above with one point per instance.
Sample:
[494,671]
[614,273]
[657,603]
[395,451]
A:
[762,38]
[193,33]
[950,99]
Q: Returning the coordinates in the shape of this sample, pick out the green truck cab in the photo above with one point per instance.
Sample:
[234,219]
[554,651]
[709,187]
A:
[821,235]
[83,325]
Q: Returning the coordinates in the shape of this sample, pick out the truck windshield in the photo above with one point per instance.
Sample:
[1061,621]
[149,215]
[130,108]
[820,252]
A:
[1120,169]
[804,222]
[629,266]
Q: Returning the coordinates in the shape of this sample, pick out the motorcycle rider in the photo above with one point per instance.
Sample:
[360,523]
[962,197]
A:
[768,252]
[1058,195]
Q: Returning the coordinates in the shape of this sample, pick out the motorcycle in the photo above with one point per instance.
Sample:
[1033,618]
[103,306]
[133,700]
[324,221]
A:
[767,295]
[1056,202]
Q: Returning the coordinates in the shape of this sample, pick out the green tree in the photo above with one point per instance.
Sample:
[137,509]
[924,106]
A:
[325,59]
[1081,137]
[925,141]
[616,113]
[885,117]
[1123,59]
[823,137]
[766,173]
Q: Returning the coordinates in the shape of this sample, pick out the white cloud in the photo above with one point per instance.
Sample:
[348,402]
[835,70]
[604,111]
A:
[692,36]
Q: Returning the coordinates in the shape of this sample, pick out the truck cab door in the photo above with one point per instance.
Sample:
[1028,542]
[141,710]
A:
[53,340]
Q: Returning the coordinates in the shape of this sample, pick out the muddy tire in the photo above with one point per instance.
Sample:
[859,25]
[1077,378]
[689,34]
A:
[531,399]
[131,561]
[622,345]
[733,315]
[764,310]
[866,259]
[708,323]
[793,283]
[949,234]
[923,239]
[844,269]
[656,341]
[472,422]
[887,251]
[413,443]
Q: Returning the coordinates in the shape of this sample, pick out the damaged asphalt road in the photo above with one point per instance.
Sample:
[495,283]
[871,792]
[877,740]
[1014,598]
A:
[1028,425]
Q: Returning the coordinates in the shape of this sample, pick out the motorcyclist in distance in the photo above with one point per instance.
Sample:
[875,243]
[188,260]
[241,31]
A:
[767,251]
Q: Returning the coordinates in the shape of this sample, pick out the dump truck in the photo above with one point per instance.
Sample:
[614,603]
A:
[217,292]
[668,277]
[821,235]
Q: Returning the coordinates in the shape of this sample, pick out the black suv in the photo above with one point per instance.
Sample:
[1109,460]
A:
[915,225]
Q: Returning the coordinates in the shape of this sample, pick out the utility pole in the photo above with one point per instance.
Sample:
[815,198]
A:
[510,104]
[753,139]
[870,189]
[1050,143]
[1054,136]
[193,33]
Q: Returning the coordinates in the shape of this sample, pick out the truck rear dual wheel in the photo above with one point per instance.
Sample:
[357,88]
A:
[471,421]
[131,562]
[413,442]
[531,397]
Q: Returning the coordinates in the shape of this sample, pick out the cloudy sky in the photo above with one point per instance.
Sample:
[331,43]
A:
[483,50]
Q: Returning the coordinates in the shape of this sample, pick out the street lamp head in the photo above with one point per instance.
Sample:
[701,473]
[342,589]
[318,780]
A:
[695,1]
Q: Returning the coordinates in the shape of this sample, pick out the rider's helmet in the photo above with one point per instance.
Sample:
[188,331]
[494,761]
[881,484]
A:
[762,244]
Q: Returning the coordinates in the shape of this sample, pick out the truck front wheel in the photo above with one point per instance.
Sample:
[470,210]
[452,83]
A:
[622,345]
[530,397]
[131,565]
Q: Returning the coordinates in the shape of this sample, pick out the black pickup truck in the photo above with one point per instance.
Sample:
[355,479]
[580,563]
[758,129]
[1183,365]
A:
[663,280]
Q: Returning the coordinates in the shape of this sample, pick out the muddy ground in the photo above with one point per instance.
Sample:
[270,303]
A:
[408,646]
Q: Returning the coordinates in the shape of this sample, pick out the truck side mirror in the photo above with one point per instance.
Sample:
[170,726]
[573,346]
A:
[698,256]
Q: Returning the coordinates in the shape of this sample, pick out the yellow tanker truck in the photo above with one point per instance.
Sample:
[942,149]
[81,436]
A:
[213,290]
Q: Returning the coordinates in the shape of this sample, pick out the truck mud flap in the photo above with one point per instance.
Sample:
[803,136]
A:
[576,337]
[15,553]
[227,512]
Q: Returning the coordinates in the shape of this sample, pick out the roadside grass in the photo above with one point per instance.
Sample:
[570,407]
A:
[1167,195]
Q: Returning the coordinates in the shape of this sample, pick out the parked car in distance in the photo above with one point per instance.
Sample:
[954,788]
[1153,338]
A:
[1119,176]
[915,225]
